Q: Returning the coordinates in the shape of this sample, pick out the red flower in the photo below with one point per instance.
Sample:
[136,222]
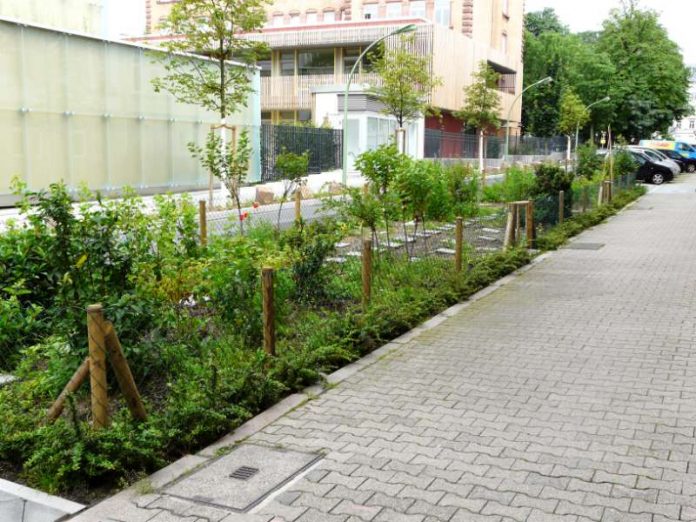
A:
[256,204]
[243,216]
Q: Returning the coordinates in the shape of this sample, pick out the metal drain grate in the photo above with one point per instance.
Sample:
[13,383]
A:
[584,246]
[244,473]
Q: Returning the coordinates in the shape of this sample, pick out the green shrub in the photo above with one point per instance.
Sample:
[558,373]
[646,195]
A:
[517,185]
[589,162]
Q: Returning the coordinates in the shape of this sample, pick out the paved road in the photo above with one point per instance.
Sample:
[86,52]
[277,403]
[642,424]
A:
[567,395]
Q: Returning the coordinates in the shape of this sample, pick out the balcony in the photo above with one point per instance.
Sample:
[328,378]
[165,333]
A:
[295,92]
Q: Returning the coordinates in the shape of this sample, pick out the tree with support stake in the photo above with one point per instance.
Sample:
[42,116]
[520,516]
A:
[221,83]
[482,106]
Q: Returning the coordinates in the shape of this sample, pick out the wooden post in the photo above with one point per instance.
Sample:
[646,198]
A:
[458,243]
[298,204]
[561,207]
[123,374]
[366,272]
[529,223]
[97,365]
[509,240]
[366,188]
[610,190]
[74,383]
[268,311]
[203,222]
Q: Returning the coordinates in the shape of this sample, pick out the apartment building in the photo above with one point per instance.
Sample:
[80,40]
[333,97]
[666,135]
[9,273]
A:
[315,43]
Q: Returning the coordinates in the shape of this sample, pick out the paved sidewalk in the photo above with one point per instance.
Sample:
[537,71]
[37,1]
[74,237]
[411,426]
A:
[568,394]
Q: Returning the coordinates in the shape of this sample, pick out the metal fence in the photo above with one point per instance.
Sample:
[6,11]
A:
[324,146]
[441,144]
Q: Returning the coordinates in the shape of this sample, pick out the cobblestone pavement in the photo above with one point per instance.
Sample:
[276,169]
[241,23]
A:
[568,394]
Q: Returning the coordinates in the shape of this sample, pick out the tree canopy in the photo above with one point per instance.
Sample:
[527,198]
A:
[631,59]
[406,81]
[482,100]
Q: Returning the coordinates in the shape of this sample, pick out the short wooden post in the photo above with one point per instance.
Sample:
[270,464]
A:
[96,329]
[529,224]
[366,272]
[268,311]
[366,188]
[203,221]
[610,190]
[73,385]
[561,206]
[458,243]
[123,374]
[298,204]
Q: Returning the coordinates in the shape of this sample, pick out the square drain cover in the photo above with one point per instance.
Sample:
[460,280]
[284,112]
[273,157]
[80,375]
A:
[584,246]
[242,478]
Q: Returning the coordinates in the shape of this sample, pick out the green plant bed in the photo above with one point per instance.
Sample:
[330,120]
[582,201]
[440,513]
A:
[558,235]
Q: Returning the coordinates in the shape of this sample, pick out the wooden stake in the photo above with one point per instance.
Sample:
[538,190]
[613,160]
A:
[298,204]
[123,374]
[203,222]
[366,188]
[509,240]
[561,207]
[268,311]
[97,365]
[366,272]
[458,242]
[529,223]
[73,385]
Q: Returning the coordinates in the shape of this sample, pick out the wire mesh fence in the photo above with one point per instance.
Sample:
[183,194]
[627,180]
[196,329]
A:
[442,144]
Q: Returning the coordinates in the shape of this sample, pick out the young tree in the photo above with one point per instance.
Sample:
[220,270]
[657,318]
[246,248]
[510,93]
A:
[213,28]
[482,105]
[573,114]
[406,83]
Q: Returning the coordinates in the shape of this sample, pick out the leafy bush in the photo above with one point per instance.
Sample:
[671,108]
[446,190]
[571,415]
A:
[518,185]
[624,163]
[589,162]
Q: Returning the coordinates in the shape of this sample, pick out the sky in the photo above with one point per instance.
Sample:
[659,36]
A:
[125,17]
[587,15]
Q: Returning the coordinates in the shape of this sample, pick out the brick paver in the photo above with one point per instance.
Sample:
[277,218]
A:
[566,395]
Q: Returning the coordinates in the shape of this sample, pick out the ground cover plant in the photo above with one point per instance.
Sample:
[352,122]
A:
[189,316]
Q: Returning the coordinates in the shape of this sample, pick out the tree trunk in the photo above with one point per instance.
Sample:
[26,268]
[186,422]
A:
[481,154]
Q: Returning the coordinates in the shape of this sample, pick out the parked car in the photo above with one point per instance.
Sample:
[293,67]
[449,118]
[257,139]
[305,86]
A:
[686,164]
[649,170]
[684,149]
[658,157]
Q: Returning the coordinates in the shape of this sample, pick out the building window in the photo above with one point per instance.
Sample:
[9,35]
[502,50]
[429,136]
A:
[368,61]
[417,8]
[350,56]
[264,61]
[287,116]
[394,10]
[311,18]
[319,61]
[692,124]
[277,20]
[294,18]
[304,116]
[678,125]
[442,12]
[329,16]
[266,116]
[287,63]
[370,11]
[504,43]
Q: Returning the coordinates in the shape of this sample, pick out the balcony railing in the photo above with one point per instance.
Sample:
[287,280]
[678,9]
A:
[295,92]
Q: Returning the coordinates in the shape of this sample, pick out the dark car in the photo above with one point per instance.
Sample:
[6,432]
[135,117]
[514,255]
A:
[686,164]
[650,171]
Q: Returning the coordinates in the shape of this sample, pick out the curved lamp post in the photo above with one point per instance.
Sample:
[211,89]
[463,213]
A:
[401,30]
[577,127]
[548,79]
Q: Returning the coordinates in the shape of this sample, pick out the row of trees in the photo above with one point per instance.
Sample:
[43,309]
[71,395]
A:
[631,60]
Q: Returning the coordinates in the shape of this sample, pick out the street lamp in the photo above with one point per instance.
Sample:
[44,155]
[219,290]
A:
[577,127]
[548,79]
[401,30]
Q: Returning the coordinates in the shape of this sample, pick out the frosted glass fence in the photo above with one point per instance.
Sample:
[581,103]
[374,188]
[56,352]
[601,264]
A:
[83,110]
